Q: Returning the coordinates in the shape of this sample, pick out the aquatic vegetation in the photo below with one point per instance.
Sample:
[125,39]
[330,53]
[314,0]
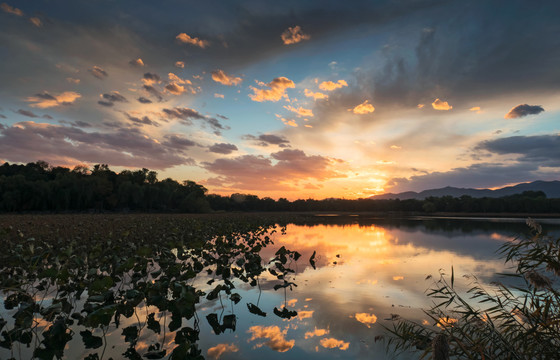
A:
[517,321]
[84,276]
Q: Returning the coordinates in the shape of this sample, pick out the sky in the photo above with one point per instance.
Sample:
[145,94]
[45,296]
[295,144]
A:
[293,99]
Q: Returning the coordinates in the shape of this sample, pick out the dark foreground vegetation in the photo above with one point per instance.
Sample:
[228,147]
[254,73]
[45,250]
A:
[39,187]
[519,321]
[86,276]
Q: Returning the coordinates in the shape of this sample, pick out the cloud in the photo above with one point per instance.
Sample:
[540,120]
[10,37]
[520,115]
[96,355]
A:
[73,81]
[225,79]
[315,95]
[176,79]
[11,10]
[217,351]
[186,39]
[187,114]
[363,108]
[114,97]
[219,96]
[223,148]
[293,35]
[281,171]
[150,79]
[268,139]
[289,122]
[276,92]
[28,141]
[178,141]
[36,21]
[136,62]
[153,91]
[175,88]
[523,110]
[47,100]
[331,343]
[441,105]
[541,150]
[366,318]
[98,72]
[77,123]
[330,86]
[140,121]
[316,332]
[105,103]
[276,337]
[300,111]
[180,64]
[144,100]
[27,113]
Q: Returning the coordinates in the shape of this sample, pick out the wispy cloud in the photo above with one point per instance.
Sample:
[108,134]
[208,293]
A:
[47,100]
[225,79]
[10,9]
[363,108]
[330,85]
[302,112]
[315,95]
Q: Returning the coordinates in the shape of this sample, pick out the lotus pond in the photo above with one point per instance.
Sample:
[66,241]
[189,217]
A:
[227,286]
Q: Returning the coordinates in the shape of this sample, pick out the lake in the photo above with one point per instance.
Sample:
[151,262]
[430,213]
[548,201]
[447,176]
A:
[367,271]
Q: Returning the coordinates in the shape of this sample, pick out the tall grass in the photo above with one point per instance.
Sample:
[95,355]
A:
[498,321]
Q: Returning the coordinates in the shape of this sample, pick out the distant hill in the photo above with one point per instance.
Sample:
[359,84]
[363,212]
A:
[550,188]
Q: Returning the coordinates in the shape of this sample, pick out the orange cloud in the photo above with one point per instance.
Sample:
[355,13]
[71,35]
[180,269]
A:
[276,337]
[315,95]
[331,343]
[221,96]
[174,78]
[289,122]
[396,147]
[305,314]
[420,106]
[397,278]
[175,88]
[217,351]
[365,318]
[446,322]
[225,79]
[36,21]
[186,39]
[293,35]
[11,10]
[363,108]
[441,105]
[72,80]
[180,64]
[300,111]
[330,86]
[136,62]
[46,100]
[316,332]
[276,92]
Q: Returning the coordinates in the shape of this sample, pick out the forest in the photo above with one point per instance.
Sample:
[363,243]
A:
[40,187]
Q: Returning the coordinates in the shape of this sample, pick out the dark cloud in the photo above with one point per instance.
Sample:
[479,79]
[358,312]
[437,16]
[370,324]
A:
[45,96]
[136,62]
[541,150]
[250,172]
[144,100]
[538,158]
[2,116]
[152,77]
[223,148]
[105,103]
[114,97]
[186,115]
[268,139]
[98,72]
[27,113]
[153,91]
[46,116]
[523,110]
[141,121]
[178,142]
[77,123]
[56,144]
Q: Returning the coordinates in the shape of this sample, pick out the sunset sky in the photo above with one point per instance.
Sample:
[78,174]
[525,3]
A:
[290,99]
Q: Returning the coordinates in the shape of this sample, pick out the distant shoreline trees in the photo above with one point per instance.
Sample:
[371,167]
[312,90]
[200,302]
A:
[39,187]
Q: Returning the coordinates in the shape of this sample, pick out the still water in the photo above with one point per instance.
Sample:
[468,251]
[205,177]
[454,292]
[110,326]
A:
[367,270]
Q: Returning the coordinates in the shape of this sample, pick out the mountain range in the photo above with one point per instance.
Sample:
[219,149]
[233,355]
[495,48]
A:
[550,188]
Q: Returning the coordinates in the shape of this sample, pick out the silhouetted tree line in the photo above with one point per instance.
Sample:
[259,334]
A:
[40,187]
